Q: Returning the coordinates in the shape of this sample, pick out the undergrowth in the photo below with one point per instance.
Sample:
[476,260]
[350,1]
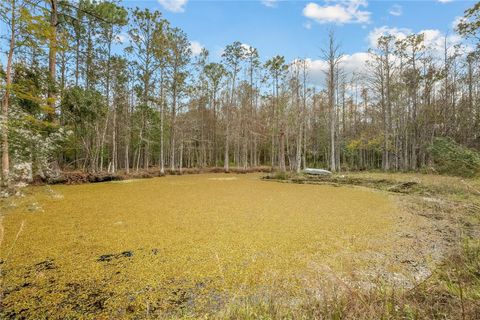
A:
[452,158]
[452,292]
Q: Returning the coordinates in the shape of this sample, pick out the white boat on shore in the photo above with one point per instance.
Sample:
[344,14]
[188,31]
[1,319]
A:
[319,172]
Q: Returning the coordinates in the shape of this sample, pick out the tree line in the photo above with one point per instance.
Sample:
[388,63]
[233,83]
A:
[74,99]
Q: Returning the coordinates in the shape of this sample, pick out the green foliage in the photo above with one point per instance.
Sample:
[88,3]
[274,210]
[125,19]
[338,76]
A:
[83,105]
[470,23]
[28,85]
[34,143]
[34,139]
[452,158]
[280,175]
[215,72]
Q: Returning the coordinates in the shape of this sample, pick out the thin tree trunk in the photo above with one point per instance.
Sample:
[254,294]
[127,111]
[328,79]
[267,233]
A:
[162,139]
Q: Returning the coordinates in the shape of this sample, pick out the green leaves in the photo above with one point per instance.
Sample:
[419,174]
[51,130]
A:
[215,72]
[452,158]
[112,13]
[276,66]
[469,25]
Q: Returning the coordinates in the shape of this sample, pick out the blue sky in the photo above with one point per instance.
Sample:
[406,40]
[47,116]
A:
[298,29]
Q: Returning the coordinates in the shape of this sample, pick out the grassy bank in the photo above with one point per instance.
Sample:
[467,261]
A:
[452,291]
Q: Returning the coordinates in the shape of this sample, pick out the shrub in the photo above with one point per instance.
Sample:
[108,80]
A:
[452,158]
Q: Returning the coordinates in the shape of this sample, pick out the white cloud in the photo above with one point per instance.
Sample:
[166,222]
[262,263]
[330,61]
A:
[307,25]
[196,47]
[350,63]
[375,34]
[270,3]
[173,5]
[339,12]
[354,62]
[434,40]
[456,21]
[122,38]
[445,1]
[316,71]
[246,46]
[396,10]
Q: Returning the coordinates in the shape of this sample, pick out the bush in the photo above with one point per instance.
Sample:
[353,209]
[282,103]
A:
[452,158]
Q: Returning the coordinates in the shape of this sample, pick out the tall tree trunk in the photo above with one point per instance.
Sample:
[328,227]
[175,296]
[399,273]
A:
[52,59]
[172,130]
[282,150]
[332,119]
[180,160]
[227,131]
[333,58]
[215,156]
[114,140]
[107,93]
[6,101]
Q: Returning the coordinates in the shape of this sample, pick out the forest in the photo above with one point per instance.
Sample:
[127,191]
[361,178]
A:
[98,87]
[323,191]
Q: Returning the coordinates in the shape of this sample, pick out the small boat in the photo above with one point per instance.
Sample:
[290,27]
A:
[319,172]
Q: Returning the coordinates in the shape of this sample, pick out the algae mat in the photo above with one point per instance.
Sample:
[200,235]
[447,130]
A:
[184,244]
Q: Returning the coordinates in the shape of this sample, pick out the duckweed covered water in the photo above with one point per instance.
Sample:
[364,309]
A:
[186,244]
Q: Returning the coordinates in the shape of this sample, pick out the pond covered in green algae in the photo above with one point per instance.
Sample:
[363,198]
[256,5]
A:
[185,244]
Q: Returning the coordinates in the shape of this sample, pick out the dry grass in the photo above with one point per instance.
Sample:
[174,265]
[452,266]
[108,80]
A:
[439,183]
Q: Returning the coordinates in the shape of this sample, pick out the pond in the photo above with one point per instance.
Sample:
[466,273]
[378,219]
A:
[189,244]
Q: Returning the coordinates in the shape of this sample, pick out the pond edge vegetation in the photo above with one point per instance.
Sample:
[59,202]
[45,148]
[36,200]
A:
[452,291]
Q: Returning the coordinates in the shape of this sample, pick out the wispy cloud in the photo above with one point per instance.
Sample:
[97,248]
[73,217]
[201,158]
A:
[396,10]
[339,12]
[270,3]
[173,5]
[307,25]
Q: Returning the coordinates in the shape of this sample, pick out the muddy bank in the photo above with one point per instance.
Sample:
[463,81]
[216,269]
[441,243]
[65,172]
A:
[81,177]
[398,183]
[407,187]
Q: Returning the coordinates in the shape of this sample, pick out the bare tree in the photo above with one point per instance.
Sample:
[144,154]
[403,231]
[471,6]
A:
[333,57]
